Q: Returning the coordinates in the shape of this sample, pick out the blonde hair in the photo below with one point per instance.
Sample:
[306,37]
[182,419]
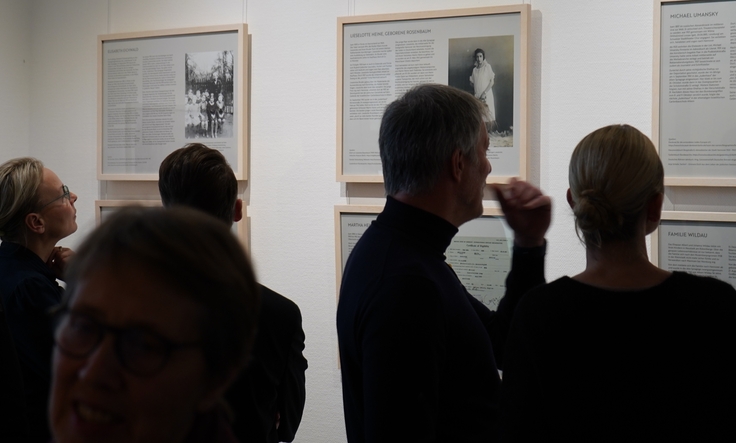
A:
[614,173]
[20,179]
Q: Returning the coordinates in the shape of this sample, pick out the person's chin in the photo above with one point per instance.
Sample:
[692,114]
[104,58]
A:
[84,423]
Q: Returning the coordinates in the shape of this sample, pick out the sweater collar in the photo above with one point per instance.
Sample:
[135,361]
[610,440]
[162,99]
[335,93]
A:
[424,228]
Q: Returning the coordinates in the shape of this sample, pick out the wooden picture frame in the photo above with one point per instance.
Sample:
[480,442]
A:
[693,102]
[102,207]
[239,229]
[460,253]
[381,56]
[147,107]
[697,242]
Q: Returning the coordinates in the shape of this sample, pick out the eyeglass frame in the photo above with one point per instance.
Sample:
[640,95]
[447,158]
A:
[64,314]
[66,193]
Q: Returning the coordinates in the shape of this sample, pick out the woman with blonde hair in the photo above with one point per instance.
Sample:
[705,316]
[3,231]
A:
[623,351]
[36,211]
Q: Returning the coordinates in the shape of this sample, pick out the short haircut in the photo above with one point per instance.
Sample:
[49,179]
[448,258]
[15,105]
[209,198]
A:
[199,177]
[196,255]
[20,179]
[479,51]
[614,173]
[420,131]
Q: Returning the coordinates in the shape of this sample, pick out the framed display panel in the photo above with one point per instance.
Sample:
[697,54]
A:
[480,253]
[701,243]
[103,208]
[159,90]
[379,57]
[694,92]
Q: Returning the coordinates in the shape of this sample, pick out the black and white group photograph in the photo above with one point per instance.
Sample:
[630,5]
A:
[209,94]
[484,67]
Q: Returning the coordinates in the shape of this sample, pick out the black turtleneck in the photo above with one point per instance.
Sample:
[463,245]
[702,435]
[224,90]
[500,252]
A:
[417,350]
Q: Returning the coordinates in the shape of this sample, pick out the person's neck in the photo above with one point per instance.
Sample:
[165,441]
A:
[41,246]
[621,265]
[436,202]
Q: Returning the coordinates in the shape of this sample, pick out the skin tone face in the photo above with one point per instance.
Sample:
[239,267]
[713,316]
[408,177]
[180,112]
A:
[95,399]
[478,59]
[60,215]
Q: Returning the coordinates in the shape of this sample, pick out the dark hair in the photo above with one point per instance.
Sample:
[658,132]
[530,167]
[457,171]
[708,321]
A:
[614,173]
[420,131]
[195,254]
[479,51]
[199,177]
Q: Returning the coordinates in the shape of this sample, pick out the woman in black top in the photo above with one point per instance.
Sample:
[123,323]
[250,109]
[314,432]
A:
[623,351]
[36,211]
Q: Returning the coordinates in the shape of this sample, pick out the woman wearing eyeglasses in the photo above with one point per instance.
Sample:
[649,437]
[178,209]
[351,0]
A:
[160,317]
[36,211]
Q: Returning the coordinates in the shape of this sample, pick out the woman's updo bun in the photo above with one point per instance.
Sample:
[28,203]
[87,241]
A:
[614,173]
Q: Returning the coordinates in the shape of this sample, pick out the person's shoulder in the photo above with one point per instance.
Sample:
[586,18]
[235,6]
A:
[273,302]
[679,277]
[560,286]
[705,287]
[547,296]
[35,292]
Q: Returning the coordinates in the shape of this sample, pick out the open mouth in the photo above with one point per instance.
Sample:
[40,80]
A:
[93,415]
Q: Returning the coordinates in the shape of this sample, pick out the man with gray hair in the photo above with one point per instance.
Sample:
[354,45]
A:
[420,356]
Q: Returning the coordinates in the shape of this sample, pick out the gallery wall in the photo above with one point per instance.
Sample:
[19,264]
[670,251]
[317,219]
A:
[591,65]
[15,48]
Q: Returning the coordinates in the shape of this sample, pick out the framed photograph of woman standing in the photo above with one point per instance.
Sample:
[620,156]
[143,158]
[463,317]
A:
[483,51]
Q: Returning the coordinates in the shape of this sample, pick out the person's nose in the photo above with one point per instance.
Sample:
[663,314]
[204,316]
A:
[102,367]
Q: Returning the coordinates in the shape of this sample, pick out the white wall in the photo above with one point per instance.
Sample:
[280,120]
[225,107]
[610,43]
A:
[591,66]
[15,53]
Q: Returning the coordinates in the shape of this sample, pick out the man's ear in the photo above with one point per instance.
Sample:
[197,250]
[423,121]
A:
[35,223]
[570,201]
[238,212]
[458,165]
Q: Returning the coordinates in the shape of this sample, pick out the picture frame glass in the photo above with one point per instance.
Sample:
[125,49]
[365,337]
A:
[706,248]
[696,102]
[381,60]
[480,253]
[160,93]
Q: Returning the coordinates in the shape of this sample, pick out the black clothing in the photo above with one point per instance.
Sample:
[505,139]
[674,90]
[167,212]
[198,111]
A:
[417,350]
[274,380]
[29,289]
[590,364]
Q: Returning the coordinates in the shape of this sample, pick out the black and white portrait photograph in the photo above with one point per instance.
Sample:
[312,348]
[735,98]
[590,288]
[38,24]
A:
[484,67]
[209,94]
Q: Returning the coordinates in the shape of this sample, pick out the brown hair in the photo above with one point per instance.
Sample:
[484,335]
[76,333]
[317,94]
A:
[199,177]
[192,252]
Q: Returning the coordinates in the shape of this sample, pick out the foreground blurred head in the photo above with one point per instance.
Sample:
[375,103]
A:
[615,176]
[160,317]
